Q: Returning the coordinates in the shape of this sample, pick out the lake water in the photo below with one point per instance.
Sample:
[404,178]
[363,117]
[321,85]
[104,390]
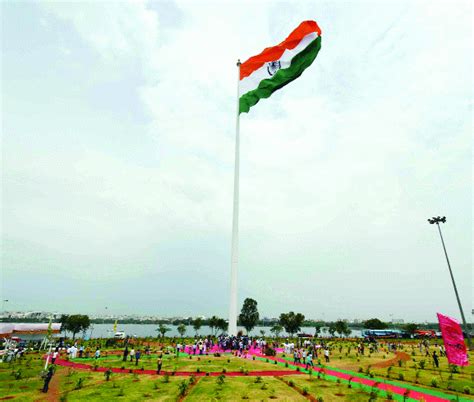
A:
[143,330]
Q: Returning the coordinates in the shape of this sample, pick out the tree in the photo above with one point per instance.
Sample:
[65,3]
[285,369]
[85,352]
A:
[291,322]
[332,328]
[341,327]
[76,323]
[63,321]
[249,316]
[213,322]
[162,329]
[197,324]
[276,329]
[222,324]
[410,328]
[181,329]
[317,327]
[374,323]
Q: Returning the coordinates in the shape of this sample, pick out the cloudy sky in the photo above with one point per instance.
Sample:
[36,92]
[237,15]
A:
[117,159]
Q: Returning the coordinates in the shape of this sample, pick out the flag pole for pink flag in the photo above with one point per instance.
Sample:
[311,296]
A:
[235,223]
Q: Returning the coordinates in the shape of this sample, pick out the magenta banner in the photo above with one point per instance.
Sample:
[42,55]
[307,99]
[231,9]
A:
[453,339]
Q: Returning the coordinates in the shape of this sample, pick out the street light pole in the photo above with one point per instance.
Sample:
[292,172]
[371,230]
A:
[437,220]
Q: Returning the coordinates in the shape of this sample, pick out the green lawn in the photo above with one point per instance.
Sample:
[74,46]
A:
[243,388]
[184,363]
[21,379]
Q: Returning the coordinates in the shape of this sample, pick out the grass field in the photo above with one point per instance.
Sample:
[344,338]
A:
[20,380]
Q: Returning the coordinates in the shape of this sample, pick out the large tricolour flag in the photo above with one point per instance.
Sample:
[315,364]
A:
[277,66]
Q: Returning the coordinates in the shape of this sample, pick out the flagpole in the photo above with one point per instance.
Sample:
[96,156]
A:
[235,223]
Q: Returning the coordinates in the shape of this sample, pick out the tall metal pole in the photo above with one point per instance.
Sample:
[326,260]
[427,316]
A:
[235,224]
[455,290]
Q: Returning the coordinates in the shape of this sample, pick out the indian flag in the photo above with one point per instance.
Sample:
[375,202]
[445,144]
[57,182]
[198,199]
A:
[277,66]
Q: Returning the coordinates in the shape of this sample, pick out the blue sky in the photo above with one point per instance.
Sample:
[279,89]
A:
[117,162]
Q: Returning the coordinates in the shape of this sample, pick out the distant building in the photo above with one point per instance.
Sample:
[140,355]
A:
[28,331]
[398,321]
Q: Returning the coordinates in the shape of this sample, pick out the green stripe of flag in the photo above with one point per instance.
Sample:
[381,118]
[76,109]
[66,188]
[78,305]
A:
[299,63]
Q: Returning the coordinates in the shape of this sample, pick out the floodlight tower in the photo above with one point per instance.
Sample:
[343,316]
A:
[437,220]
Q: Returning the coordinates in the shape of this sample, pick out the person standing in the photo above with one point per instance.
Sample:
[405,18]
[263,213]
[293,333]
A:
[137,357]
[132,354]
[309,361]
[47,379]
[125,354]
[97,353]
[159,363]
[435,359]
[326,355]
[55,356]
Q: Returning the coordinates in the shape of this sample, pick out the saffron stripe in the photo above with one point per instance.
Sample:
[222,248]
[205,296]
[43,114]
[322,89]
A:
[275,52]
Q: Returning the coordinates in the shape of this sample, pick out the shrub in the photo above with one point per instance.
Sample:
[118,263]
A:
[224,370]
[320,399]
[79,383]
[399,363]
[389,395]
[258,379]
[422,364]
[434,382]
[453,368]
[245,396]
[467,390]
[349,384]
[360,370]
[166,378]
[291,383]
[192,379]
[198,370]
[107,374]
[305,391]
[264,386]
[121,393]
[155,386]
[417,376]
[401,377]
[286,364]
[183,387]
[220,379]
[371,374]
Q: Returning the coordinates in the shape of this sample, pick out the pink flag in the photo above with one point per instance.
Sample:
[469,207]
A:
[453,339]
